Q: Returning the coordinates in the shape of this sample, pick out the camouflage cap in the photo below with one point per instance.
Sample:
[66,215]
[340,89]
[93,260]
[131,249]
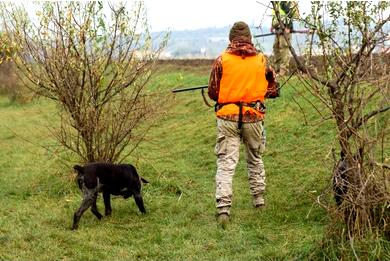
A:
[240,29]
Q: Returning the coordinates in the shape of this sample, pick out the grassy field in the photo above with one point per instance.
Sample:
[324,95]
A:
[38,195]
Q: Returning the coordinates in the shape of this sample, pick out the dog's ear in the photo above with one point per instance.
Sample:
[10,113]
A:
[144,180]
[79,169]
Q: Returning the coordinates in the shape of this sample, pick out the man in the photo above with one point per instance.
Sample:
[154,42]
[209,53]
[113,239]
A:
[288,10]
[239,86]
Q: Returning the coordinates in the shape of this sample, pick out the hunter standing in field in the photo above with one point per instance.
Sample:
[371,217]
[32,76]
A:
[239,86]
[288,10]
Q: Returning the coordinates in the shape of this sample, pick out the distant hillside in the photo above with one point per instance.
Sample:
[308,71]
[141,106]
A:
[200,43]
[208,43]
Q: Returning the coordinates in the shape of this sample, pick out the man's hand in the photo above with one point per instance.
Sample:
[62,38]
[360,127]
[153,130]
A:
[270,74]
[273,86]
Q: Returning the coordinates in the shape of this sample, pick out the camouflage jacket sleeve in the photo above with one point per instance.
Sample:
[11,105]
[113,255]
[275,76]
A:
[215,79]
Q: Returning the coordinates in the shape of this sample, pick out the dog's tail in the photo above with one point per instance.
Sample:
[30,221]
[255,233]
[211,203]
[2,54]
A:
[139,176]
[143,180]
[79,169]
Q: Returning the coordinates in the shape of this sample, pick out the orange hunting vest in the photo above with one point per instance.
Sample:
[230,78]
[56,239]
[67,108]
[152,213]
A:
[243,80]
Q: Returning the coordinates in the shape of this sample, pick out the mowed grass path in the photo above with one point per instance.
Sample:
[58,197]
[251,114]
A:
[38,195]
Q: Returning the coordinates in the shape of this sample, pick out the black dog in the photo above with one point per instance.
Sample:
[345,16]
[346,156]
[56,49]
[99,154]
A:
[343,175]
[340,180]
[115,179]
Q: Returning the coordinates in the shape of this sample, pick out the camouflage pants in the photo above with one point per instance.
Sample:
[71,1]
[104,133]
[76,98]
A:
[227,151]
[281,54]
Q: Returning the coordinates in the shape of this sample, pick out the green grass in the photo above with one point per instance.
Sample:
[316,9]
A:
[38,195]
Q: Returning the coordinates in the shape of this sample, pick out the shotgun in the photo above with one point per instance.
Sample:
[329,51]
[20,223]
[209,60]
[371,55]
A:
[306,31]
[195,88]
[190,88]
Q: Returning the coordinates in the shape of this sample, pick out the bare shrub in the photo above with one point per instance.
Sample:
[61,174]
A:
[94,60]
[343,67]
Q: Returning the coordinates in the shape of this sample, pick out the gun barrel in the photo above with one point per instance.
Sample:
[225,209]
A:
[263,35]
[293,31]
[190,88]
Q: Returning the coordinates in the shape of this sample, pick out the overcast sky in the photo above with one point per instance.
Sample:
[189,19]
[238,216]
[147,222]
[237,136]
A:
[195,14]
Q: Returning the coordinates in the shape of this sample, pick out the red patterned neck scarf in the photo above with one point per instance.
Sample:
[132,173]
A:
[241,46]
